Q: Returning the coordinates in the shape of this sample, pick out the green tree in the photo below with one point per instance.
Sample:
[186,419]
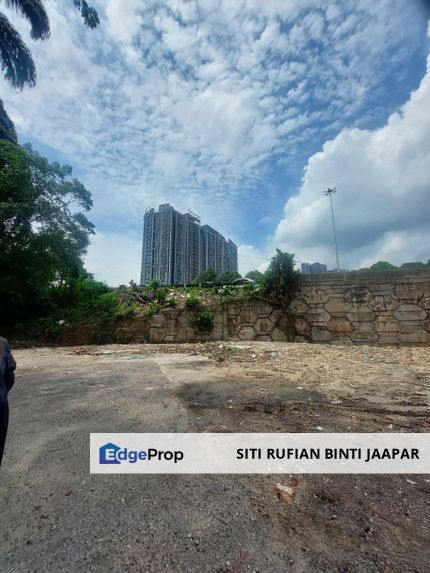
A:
[204,277]
[382,266]
[7,128]
[227,277]
[255,276]
[43,233]
[414,265]
[281,281]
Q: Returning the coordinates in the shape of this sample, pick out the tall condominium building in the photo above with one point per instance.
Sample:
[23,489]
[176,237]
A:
[313,268]
[232,261]
[216,253]
[176,248]
[191,248]
[208,248]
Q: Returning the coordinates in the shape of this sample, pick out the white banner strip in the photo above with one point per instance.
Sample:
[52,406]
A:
[313,453]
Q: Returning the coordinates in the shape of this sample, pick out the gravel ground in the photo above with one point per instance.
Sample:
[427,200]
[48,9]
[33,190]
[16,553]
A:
[57,517]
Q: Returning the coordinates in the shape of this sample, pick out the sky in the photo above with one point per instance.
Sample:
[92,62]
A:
[244,112]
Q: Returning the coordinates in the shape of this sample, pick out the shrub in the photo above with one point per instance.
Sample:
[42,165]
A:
[251,288]
[50,327]
[192,301]
[153,285]
[124,311]
[171,301]
[203,320]
[160,295]
[150,309]
[228,289]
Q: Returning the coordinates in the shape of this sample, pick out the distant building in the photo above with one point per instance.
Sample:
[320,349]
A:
[313,268]
[232,262]
[216,253]
[209,249]
[191,248]
[176,248]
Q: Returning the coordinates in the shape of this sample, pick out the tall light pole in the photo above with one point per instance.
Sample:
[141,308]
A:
[330,192]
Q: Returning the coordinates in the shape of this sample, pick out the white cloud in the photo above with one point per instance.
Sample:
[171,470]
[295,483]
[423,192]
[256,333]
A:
[114,258]
[251,259]
[123,23]
[382,207]
[190,102]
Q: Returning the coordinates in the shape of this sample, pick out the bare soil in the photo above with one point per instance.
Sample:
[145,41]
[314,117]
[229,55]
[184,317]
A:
[58,517]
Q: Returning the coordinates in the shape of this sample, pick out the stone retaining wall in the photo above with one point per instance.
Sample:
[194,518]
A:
[385,307]
[375,307]
[253,319]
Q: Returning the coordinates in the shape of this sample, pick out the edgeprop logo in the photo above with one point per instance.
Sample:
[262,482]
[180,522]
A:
[112,454]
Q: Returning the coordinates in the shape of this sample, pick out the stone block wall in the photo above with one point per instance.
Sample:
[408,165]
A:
[375,307]
[372,307]
[254,319]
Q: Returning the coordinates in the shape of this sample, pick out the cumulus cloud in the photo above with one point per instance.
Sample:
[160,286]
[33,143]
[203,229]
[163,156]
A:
[251,258]
[382,206]
[114,258]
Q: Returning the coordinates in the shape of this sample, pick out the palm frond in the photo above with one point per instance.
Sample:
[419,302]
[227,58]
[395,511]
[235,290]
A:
[15,58]
[88,13]
[35,13]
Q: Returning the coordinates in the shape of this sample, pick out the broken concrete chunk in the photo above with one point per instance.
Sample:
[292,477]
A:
[285,492]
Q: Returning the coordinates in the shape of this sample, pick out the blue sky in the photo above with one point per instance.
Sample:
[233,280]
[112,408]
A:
[243,111]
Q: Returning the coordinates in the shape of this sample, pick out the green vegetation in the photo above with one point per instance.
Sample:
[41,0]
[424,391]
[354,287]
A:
[205,277]
[161,295]
[255,276]
[281,279]
[150,309]
[192,300]
[44,234]
[7,128]
[86,300]
[280,283]
[385,265]
[210,277]
[203,320]
[227,277]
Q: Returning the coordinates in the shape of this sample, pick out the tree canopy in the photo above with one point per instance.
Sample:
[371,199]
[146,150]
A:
[44,231]
[385,265]
[255,276]
[227,277]
[7,128]
[281,279]
[208,276]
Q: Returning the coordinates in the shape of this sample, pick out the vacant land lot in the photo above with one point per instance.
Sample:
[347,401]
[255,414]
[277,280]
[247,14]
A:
[55,516]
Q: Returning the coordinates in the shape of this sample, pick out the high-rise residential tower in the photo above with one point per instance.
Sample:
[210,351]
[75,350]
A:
[191,248]
[148,247]
[176,248]
[313,268]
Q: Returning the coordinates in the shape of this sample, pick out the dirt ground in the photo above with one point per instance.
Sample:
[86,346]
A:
[55,516]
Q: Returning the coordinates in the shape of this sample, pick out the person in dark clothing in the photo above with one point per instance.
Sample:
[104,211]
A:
[7,379]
